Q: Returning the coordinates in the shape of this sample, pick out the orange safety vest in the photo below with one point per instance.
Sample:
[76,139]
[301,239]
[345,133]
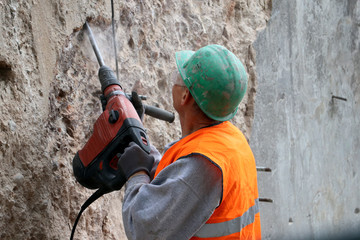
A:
[237,216]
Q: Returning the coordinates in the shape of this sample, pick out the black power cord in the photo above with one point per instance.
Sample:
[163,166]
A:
[90,200]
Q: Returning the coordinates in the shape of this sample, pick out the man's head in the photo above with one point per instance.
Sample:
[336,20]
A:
[190,115]
[215,78]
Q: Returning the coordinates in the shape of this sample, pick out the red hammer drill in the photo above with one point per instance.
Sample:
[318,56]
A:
[95,165]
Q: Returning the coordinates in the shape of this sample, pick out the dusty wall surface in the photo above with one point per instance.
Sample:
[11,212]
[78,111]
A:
[49,95]
[309,52]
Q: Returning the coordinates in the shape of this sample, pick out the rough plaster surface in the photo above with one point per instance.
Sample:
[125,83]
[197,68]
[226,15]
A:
[49,95]
[309,52]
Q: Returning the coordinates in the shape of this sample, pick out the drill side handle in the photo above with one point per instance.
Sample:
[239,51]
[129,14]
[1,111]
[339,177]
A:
[159,113]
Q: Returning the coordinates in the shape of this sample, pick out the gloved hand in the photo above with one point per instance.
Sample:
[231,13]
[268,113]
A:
[139,107]
[133,160]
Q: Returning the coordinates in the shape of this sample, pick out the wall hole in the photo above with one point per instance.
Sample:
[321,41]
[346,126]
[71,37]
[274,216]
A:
[6,73]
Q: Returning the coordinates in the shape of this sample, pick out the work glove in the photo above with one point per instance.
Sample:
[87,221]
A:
[133,160]
[137,103]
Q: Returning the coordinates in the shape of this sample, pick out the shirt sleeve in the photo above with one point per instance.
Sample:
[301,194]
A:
[157,157]
[176,203]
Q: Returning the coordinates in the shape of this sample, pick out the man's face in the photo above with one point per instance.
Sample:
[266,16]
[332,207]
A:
[177,89]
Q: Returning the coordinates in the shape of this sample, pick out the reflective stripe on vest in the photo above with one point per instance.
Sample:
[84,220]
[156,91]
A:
[235,225]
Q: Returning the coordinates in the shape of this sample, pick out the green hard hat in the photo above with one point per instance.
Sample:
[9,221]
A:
[215,78]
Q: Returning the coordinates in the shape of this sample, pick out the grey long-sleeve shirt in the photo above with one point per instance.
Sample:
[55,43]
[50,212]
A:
[176,203]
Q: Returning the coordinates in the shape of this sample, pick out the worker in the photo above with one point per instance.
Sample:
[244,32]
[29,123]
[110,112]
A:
[205,185]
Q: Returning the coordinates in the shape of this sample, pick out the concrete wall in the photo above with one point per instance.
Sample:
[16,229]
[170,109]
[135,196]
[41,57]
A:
[49,95]
[309,52]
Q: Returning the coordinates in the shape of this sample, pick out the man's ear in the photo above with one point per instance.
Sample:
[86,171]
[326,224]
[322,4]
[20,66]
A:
[186,97]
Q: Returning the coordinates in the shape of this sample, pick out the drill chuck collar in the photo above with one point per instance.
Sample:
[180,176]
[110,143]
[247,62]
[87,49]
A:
[107,78]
